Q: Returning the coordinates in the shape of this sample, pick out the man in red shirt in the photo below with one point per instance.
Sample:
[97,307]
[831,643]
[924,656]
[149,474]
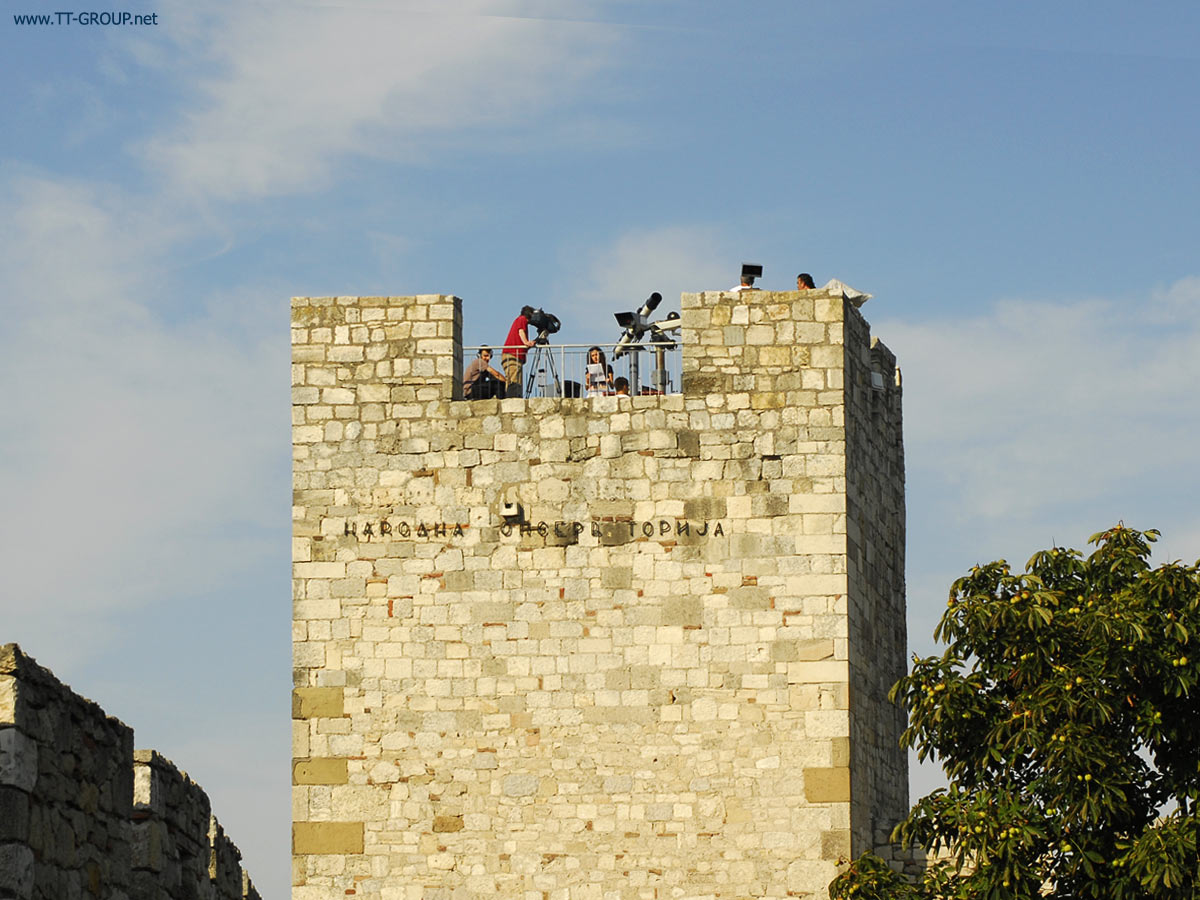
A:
[516,345]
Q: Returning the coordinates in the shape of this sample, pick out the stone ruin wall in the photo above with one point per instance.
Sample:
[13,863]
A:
[594,648]
[84,815]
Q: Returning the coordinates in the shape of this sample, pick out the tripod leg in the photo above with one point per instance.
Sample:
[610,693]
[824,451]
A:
[533,361]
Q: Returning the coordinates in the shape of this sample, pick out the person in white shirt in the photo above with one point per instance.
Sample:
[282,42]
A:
[750,271]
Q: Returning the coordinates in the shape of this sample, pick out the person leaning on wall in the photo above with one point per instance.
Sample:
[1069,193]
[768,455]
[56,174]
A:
[516,345]
[481,381]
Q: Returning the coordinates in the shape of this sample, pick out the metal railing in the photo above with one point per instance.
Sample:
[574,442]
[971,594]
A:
[565,370]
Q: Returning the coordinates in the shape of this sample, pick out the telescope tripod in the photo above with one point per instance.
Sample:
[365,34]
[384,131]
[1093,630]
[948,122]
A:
[540,363]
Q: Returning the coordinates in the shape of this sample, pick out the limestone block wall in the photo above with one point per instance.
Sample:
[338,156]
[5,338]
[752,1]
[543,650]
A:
[82,815]
[577,648]
[875,564]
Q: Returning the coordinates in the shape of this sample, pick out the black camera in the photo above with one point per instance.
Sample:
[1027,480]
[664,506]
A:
[544,322]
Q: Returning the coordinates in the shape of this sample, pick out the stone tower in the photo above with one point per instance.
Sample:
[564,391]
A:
[596,648]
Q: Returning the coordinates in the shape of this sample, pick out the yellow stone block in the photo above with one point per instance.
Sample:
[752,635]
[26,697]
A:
[317,702]
[447,823]
[827,785]
[769,400]
[327,837]
[326,770]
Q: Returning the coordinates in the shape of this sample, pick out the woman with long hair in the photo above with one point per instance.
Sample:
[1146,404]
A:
[596,375]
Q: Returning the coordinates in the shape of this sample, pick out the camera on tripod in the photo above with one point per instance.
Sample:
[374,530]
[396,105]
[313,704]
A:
[543,371]
[544,322]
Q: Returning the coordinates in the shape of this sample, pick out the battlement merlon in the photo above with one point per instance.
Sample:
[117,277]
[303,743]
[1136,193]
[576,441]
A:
[408,349]
[381,349]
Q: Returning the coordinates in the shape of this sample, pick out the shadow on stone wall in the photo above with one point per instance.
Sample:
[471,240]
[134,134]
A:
[83,815]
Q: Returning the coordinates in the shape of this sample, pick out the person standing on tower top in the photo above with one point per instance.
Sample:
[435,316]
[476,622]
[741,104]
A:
[746,284]
[516,345]
[750,271]
[598,374]
[804,282]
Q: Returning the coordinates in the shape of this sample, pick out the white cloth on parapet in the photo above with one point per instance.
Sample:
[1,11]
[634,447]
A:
[858,298]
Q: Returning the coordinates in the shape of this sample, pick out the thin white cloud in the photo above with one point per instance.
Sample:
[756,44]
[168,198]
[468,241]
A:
[69,249]
[620,275]
[128,441]
[1036,403]
[1040,421]
[289,92]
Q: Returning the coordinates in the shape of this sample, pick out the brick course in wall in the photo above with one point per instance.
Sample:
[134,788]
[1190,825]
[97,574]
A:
[594,648]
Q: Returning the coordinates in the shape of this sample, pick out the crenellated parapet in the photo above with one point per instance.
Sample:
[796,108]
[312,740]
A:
[82,814]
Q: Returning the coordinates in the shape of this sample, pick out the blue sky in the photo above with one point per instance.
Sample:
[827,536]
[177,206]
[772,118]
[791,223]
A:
[1015,183]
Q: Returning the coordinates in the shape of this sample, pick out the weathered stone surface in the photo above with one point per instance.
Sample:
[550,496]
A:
[16,871]
[520,785]
[14,814]
[8,698]
[18,759]
[835,845]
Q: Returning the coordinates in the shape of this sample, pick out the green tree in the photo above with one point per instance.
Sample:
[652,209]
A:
[1065,715]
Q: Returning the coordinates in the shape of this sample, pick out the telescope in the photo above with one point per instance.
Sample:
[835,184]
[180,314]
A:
[637,325]
[541,360]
